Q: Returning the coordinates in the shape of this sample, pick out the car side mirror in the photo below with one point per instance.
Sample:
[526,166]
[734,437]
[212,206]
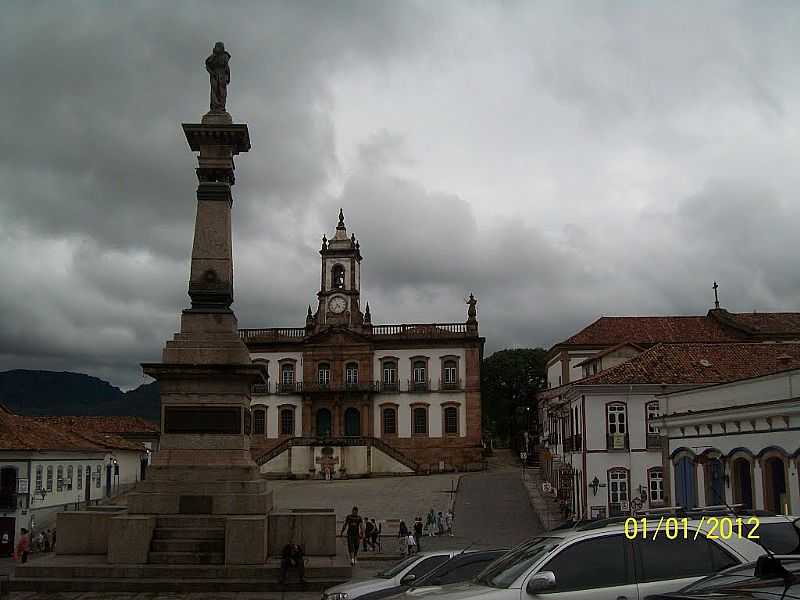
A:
[543,581]
[408,579]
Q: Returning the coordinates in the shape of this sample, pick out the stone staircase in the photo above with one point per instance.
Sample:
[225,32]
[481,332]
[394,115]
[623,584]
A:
[188,540]
[546,507]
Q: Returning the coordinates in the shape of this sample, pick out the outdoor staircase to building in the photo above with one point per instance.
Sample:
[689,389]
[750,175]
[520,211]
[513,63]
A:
[188,540]
[545,506]
[343,441]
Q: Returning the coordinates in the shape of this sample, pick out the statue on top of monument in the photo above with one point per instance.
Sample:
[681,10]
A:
[220,74]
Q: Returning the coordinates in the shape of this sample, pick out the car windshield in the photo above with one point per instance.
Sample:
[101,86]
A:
[461,567]
[398,568]
[506,569]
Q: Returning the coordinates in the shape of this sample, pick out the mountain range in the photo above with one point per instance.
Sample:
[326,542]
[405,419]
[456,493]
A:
[34,393]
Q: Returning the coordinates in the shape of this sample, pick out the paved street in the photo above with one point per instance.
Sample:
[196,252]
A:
[492,510]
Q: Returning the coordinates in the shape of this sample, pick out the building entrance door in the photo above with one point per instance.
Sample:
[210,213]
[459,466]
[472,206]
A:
[352,422]
[685,485]
[324,422]
[8,527]
[743,483]
[775,499]
[716,483]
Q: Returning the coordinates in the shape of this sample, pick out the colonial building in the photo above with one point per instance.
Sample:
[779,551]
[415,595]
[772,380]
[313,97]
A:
[50,464]
[600,442]
[737,442]
[347,397]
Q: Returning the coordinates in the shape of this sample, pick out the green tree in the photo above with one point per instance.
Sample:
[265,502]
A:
[509,379]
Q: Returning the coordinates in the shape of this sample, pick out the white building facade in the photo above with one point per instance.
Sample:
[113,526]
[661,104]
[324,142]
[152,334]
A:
[736,443]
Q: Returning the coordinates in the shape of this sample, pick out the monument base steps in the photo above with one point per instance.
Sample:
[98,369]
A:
[93,574]
[188,540]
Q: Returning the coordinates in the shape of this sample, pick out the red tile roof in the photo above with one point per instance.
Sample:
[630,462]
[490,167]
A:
[19,432]
[119,425]
[608,331]
[785,323]
[698,364]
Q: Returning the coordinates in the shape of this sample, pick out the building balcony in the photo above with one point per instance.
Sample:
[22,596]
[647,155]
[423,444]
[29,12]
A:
[295,387]
[323,388]
[387,387]
[617,441]
[653,441]
[419,386]
[450,386]
[260,389]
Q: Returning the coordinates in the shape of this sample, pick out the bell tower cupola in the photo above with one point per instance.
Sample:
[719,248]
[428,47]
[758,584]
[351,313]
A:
[340,282]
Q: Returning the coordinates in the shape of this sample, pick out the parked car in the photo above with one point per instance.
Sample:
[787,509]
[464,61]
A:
[760,579]
[598,562]
[462,567]
[401,573]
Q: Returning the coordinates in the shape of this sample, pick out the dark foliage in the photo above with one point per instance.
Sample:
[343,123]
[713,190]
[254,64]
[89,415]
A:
[509,380]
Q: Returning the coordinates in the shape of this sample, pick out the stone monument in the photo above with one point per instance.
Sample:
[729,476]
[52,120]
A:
[204,504]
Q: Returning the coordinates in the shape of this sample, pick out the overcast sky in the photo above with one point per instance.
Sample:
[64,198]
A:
[560,160]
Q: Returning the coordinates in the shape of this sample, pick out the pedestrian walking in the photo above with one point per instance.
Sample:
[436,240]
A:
[369,527]
[412,544]
[355,532]
[440,523]
[46,540]
[448,522]
[53,542]
[23,547]
[402,537]
[431,523]
[418,526]
[377,528]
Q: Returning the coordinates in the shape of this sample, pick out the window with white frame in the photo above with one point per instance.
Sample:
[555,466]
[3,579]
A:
[59,478]
[419,420]
[287,375]
[49,479]
[617,421]
[324,373]
[259,421]
[39,478]
[89,475]
[69,477]
[389,372]
[655,483]
[652,415]
[80,478]
[450,372]
[617,486]
[97,475]
[419,371]
[351,373]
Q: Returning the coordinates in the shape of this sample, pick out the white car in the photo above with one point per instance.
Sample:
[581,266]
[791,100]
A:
[599,562]
[402,573]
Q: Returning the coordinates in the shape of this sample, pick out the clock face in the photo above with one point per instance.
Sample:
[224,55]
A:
[337,304]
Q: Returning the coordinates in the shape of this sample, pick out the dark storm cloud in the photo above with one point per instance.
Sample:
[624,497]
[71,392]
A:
[560,160]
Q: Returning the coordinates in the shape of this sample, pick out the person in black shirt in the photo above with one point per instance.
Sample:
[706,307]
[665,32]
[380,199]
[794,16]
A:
[355,532]
[418,533]
[292,557]
[368,530]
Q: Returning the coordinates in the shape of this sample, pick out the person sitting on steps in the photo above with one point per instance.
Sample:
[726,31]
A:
[292,558]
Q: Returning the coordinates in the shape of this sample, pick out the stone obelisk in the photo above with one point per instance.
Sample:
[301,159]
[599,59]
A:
[206,374]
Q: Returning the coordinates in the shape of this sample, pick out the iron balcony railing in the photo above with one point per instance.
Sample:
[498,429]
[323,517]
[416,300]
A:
[654,441]
[450,385]
[419,386]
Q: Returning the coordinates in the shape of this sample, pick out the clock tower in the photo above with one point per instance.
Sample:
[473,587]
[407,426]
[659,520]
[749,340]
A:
[340,282]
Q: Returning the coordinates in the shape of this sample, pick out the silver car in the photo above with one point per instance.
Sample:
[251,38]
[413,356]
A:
[602,563]
[402,573]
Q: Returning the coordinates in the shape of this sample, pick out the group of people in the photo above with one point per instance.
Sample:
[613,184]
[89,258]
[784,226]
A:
[361,531]
[44,541]
[435,524]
